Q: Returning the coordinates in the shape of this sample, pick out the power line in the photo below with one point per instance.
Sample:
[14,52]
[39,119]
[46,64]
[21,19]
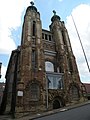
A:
[81,44]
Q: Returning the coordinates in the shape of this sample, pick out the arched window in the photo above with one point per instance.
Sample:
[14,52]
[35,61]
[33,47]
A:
[34,28]
[49,66]
[34,91]
[74,92]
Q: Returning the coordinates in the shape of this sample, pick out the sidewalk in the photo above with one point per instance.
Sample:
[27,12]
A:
[31,117]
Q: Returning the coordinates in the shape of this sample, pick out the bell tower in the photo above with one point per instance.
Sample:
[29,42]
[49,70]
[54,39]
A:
[65,57]
[31,58]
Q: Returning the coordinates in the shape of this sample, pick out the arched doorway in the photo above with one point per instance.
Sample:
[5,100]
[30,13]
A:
[56,104]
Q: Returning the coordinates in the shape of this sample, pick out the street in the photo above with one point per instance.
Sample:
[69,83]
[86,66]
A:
[80,113]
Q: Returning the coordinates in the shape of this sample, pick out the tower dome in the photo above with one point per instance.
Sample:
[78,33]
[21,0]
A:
[55,17]
[32,7]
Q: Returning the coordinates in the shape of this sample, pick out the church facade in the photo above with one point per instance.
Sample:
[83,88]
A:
[42,73]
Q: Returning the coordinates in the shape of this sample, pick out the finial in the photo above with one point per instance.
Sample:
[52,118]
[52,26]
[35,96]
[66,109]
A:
[32,3]
[54,12]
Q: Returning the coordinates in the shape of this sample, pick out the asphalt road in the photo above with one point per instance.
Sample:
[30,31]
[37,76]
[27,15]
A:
[80,113]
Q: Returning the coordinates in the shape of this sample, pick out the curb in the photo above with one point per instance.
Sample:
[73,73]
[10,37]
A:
[58,110]
[40,115]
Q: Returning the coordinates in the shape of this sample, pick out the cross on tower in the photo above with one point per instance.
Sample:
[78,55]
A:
[32,3]
[54,12]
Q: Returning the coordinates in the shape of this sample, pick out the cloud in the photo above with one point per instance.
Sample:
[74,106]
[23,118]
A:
[10,18]
[82,19]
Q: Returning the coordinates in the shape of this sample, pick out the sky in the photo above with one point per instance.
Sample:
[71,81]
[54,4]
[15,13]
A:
[11,19]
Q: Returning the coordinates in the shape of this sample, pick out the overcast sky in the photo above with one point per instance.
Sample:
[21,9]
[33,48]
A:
[11,19]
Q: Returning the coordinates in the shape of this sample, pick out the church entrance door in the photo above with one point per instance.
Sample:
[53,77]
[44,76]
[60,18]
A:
[56,104]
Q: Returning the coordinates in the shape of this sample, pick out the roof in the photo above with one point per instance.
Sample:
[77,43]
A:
[55,17]
[33,8]
[87,85]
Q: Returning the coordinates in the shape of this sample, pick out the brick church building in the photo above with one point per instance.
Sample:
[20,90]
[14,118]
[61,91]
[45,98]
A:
[42,73]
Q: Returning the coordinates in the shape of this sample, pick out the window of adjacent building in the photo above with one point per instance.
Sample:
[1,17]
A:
[34,28]
[33,59]
[34,91]
[49,66]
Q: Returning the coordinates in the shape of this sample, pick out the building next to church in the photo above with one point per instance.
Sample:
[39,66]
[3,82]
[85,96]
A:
[42,73]
[87,93]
